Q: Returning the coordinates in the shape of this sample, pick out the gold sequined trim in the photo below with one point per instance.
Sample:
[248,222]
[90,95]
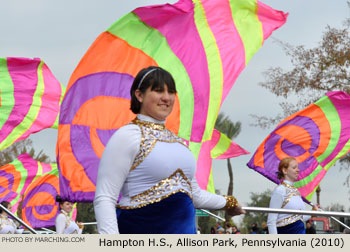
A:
[161,191]
[152,125]
[68,219]
[5,221]
[291,191]
[286,201]
[151,133]
[231,202]
[156,200]
[289,220]
[288,185]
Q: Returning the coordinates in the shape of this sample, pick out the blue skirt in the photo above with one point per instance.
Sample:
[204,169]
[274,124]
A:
[172,215]
[297,227]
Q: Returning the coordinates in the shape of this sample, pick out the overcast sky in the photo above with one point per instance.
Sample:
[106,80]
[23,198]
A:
[60,32]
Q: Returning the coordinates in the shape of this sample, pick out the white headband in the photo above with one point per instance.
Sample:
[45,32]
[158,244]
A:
[144,76]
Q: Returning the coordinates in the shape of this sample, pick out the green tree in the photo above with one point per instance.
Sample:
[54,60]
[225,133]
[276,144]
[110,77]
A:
[257,200]
[205,223]
[231,130]
[86,213]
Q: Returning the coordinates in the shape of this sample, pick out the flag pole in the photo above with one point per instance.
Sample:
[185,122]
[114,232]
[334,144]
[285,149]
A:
[89,223]
[18,219]
[301,212]
[341,223]
[213,215]
[289,211]
[332,217]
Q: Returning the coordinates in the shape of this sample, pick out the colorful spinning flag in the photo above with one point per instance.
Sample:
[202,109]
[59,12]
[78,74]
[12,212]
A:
[16,176]
[219,147]
[39,207]
[34,185]
[30,97]
[316,136]
[203,44]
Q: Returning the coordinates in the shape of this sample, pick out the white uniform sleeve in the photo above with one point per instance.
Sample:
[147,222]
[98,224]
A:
[114,167]
[19,231]
[60,223]
[275,202]
[204,199]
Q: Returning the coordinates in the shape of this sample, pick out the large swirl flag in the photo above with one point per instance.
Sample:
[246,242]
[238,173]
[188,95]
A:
[16,176]
[204,45]
[34,185]
[30,98]
[39,206]
[316,136]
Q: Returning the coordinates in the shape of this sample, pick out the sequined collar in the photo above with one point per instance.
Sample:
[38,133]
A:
[288,185]
[152,125]
[64,213]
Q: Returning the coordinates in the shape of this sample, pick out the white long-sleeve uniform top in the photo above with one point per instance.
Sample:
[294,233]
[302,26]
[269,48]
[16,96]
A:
[66,225]
[285,196]
[8,226]
[146,164]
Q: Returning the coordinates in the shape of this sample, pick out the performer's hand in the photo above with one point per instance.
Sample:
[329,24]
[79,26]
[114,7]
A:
[236,211]
[316,207]
[80,225]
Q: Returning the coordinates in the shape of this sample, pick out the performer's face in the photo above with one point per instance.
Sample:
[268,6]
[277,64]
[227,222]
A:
[292,172]
[156,103]
[66,206]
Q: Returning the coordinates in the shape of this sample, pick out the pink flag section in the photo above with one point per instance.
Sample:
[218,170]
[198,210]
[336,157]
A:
[189,49]
[18,175]
[219,147]
[30,96]
[219,140]
[217,40]
[270,18]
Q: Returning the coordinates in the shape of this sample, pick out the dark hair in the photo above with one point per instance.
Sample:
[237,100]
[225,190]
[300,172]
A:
[59,199]
[5,204]
[284,163]
[154,77]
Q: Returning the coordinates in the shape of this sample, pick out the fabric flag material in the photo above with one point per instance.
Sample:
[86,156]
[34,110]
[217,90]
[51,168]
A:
[30,97]
[16,176]
[39,207]
[204,45]
[316,136]
[219,147]
[34,185]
